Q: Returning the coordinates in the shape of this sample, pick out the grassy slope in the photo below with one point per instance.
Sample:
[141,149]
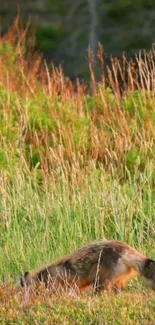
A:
[130,308]
[73,168]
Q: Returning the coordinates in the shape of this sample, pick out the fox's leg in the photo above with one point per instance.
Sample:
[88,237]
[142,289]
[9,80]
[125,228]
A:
[118,286]
[109,285]
[102,281]
[100,285]
[121,284]
[109,280]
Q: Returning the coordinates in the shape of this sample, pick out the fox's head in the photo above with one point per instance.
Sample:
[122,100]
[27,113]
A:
[35,279]
[25,280]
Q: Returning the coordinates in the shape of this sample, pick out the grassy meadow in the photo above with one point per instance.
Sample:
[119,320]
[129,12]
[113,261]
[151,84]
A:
[74,167]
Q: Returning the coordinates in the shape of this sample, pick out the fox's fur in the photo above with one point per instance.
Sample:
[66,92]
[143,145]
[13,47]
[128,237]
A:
[106,265]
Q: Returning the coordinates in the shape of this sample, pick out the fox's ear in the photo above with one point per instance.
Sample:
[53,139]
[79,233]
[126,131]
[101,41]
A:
[26,274]
[22,279]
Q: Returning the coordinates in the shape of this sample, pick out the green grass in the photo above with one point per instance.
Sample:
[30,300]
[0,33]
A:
[41,223]
[73,168]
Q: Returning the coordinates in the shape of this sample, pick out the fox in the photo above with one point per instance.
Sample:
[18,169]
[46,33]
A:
[105,265]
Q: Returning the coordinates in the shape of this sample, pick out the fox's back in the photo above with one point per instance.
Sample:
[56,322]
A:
[104,253]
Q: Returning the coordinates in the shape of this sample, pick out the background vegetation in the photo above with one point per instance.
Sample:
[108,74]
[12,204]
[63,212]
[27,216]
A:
[73,167]
[67,27]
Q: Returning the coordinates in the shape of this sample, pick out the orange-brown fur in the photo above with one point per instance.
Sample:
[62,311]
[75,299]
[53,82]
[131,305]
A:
[105,265]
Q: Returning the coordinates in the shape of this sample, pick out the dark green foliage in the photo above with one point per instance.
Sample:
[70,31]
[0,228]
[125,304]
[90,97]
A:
[48,38]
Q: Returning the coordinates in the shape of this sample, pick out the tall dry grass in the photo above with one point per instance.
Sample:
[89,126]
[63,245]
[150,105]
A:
[55,123]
